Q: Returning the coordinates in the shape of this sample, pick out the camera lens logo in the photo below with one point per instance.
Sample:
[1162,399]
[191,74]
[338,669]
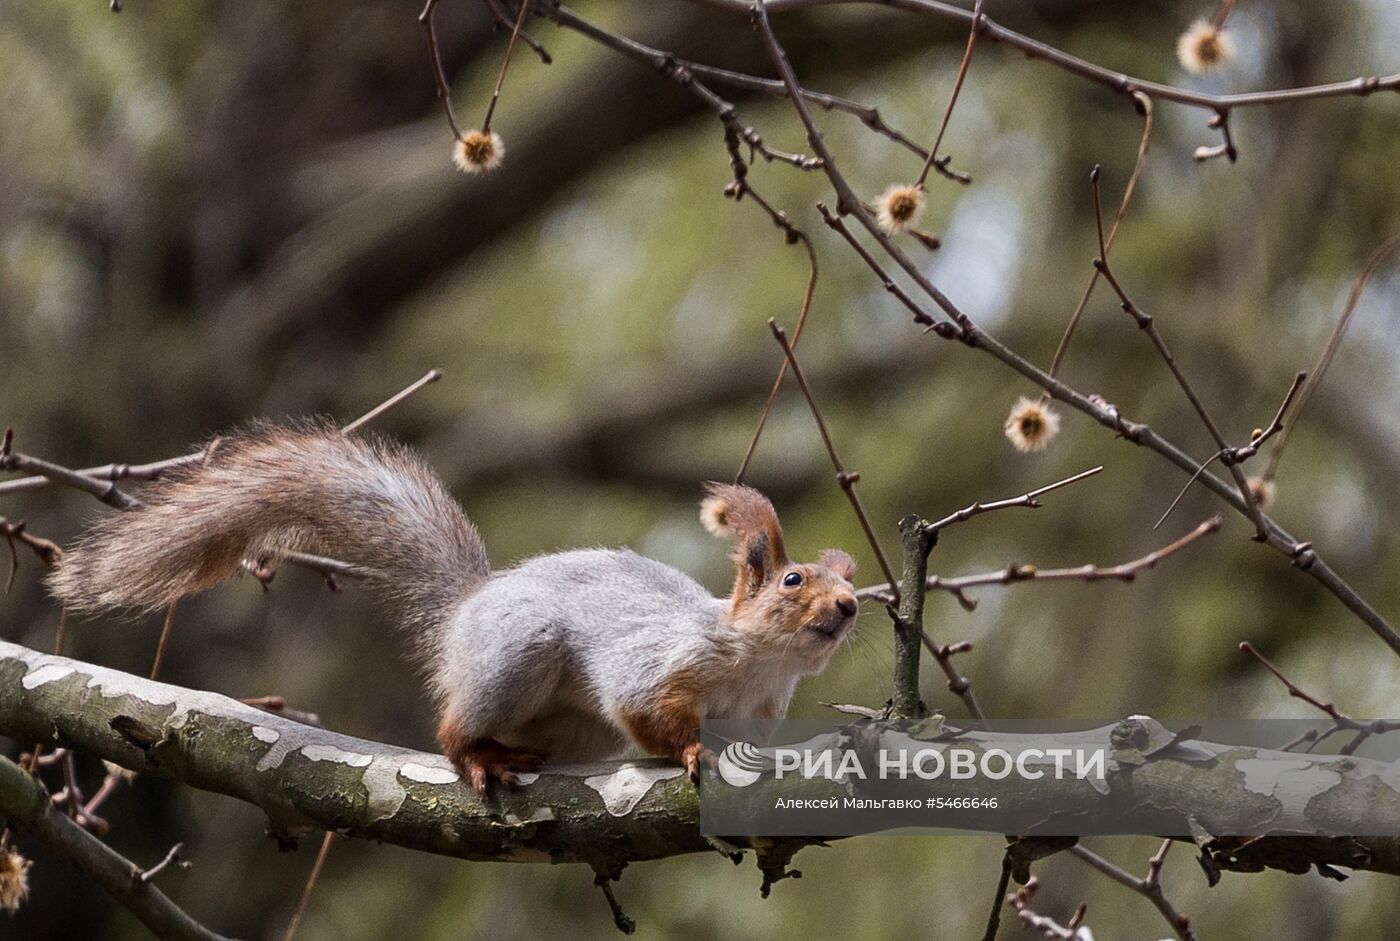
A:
[741,764]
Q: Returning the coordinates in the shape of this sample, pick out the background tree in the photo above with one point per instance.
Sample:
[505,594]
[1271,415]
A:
[215,211]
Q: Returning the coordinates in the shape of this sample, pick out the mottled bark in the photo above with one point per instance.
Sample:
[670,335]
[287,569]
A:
[605,815]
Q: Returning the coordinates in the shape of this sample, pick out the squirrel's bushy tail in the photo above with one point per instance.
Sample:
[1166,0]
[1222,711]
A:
[270,489]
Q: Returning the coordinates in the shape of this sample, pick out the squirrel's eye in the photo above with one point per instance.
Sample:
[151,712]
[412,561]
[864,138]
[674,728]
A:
[792,579]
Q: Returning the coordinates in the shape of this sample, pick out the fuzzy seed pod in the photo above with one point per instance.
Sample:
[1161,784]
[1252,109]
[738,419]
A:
[14,880]
[899,207]
[478,152]
[1204,48]
[1031,425]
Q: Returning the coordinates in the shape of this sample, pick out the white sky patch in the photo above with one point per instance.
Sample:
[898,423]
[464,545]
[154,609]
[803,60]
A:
[981,254]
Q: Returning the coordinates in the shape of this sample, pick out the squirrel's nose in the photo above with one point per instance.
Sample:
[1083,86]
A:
[846,605]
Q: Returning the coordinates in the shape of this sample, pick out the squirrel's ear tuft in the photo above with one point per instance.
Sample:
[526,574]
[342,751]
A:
[839,562]
[737,512]
[714,516]
[745,515]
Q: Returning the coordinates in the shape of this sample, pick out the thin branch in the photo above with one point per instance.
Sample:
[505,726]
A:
[1149,326]
[999,899]
[1149,887]
[1364,728]
[26,807]
[1240,454]
[1043,925]
[1017,574]
[444,90]
[1028,500]
[108,492]
[1243,453]
[500,20]
[48,551]
[866,114]
[1145,105]
[957,89]
[1118,82]
[1333,342]
[403,395]
[154,470]
[172,858]
[165,629]
[958,684]
[783,367]
[678,71]
[505,65]
[847,479]
[310,880]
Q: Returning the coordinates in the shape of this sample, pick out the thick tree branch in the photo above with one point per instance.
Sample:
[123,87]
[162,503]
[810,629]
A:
[309,779]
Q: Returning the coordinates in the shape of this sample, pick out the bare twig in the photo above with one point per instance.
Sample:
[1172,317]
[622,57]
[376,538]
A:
[678,71]
[1364,728]
[957,89]
[1149,326]
[430,377]
[1043,925]
[107,492]
[310,885]
[1149,887]
[783,367]
[1028,500]
[444,91]
[501,21]
[1108,78]
[26,806]
[624,922]
[1330,350]
[999,899]
[1239,455]
[1016,574]
[48,552]
[847,479]
[1244,452]
[153,471]
[505,65]
[1145,105]
[172,858]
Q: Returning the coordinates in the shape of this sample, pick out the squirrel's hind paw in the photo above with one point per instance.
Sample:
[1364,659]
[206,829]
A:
[696,756]
[486,761]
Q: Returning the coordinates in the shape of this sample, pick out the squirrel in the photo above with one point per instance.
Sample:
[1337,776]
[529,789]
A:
[571,655]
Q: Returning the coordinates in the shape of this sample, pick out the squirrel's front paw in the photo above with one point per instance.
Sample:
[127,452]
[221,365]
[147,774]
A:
[696,756]
[486,760]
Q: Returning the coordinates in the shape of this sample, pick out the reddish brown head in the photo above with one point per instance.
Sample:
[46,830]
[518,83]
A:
[808,607]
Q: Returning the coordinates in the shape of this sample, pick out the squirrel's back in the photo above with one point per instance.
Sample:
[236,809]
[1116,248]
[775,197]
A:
[269,489]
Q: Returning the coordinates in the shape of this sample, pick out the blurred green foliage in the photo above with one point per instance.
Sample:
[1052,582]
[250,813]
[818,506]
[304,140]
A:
[212,211]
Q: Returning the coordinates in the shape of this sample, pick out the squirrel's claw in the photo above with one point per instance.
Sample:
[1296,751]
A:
[486,761]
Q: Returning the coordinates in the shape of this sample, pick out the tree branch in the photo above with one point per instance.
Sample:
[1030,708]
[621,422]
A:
[309,779]
[26,807]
